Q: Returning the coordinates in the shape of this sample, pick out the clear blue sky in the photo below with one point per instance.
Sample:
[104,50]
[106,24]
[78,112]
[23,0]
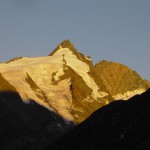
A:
[115,30]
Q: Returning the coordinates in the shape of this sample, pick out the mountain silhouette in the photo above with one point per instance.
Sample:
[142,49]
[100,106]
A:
[27,126]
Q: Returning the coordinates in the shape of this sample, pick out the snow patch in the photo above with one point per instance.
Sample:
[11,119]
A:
[88,58]
[59,73]
[128,94]
[88,99]
[106,102]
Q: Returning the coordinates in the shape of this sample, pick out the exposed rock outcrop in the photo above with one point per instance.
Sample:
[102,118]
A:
[120,81]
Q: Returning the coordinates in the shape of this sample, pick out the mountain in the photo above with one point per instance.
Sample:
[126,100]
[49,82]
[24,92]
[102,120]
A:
[50,95]
[120,125]
[120,81]
[62,82]
[42,98]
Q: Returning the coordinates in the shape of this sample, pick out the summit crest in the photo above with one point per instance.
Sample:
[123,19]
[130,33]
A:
[66,47]
[65,44]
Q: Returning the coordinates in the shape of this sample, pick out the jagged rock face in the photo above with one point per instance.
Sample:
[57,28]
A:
[120,81]
[62,82]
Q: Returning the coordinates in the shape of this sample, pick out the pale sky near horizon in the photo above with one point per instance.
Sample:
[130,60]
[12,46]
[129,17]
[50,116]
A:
[114,30]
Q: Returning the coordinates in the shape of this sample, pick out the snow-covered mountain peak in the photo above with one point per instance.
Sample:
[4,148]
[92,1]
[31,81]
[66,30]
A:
[66,82]
[65,47]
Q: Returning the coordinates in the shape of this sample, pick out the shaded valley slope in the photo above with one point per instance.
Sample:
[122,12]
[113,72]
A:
[120,125]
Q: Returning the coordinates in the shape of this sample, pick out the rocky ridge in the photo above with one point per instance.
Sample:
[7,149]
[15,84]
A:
[120,80]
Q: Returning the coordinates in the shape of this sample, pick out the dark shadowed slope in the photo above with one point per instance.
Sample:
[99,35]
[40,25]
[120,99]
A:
[120,125]
[27,126]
